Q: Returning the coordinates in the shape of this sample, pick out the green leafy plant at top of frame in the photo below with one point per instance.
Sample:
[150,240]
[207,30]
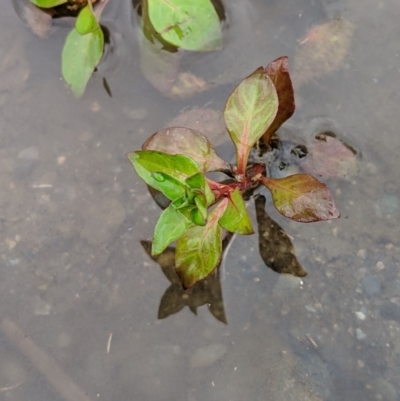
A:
[188,24]
[175,161]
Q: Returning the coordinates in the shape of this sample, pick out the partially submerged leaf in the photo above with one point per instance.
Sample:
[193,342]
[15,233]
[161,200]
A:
[170,226]
[199,250]
[328,156]
[278,71]
[276,248]
[86,21]
[180,140]
[236,218]
[147,162]
[302,197]
[322,50]
[249,111]
[188,24]
[80,56]
[48,3]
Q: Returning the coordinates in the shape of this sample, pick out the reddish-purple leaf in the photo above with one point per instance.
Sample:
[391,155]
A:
[302,197]
[249,111]
[199,249]
[329,157]
[189,142]
[278,71]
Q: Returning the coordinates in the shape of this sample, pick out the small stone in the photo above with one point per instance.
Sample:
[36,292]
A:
[360,315]
[360,334]
[379,266]
[61,160]
[207,355]
[371,284]
[95,107]
[362,253]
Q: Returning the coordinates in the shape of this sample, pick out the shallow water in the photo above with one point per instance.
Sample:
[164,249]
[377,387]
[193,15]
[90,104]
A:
[79,295]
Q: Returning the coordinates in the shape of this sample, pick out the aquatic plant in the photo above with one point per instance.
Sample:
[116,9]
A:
[187,24]
[176,160]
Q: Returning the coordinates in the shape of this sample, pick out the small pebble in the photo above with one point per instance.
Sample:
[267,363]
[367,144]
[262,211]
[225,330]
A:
[360,335]
[360,315]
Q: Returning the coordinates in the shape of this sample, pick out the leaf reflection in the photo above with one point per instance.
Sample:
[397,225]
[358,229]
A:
[206,292]
[276,248]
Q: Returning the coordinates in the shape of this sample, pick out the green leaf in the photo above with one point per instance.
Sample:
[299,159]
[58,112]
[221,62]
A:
[302,197]
[199,250]
[147,162]
[180,140]
[170,187]
[188,24]
[86,21]
[236,218]
[170,226]
[249,111]
[48,3]
[200,201]
[278,71]
[80,56]
[196,181]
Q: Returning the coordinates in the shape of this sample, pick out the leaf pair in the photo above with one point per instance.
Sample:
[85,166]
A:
[83,49]
[257,107]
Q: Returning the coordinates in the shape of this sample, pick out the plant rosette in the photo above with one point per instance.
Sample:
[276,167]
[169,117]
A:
[176,161]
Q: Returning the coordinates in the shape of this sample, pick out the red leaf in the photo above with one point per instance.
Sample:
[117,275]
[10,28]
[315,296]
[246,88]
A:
[302,197]
[278,71]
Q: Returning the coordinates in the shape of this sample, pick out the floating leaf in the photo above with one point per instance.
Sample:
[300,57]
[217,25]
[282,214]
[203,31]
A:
[276,248]
[236,218]
[86,21]
[322,50]
[302,197]
[170,226]
[249,111]
[329,157]
[179,140]
[48,3]
[278,71]
[147,162]
[199,250]
[80,56]
[188,24]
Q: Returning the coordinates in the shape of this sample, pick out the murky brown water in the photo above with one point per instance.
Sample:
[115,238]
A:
[79,295]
